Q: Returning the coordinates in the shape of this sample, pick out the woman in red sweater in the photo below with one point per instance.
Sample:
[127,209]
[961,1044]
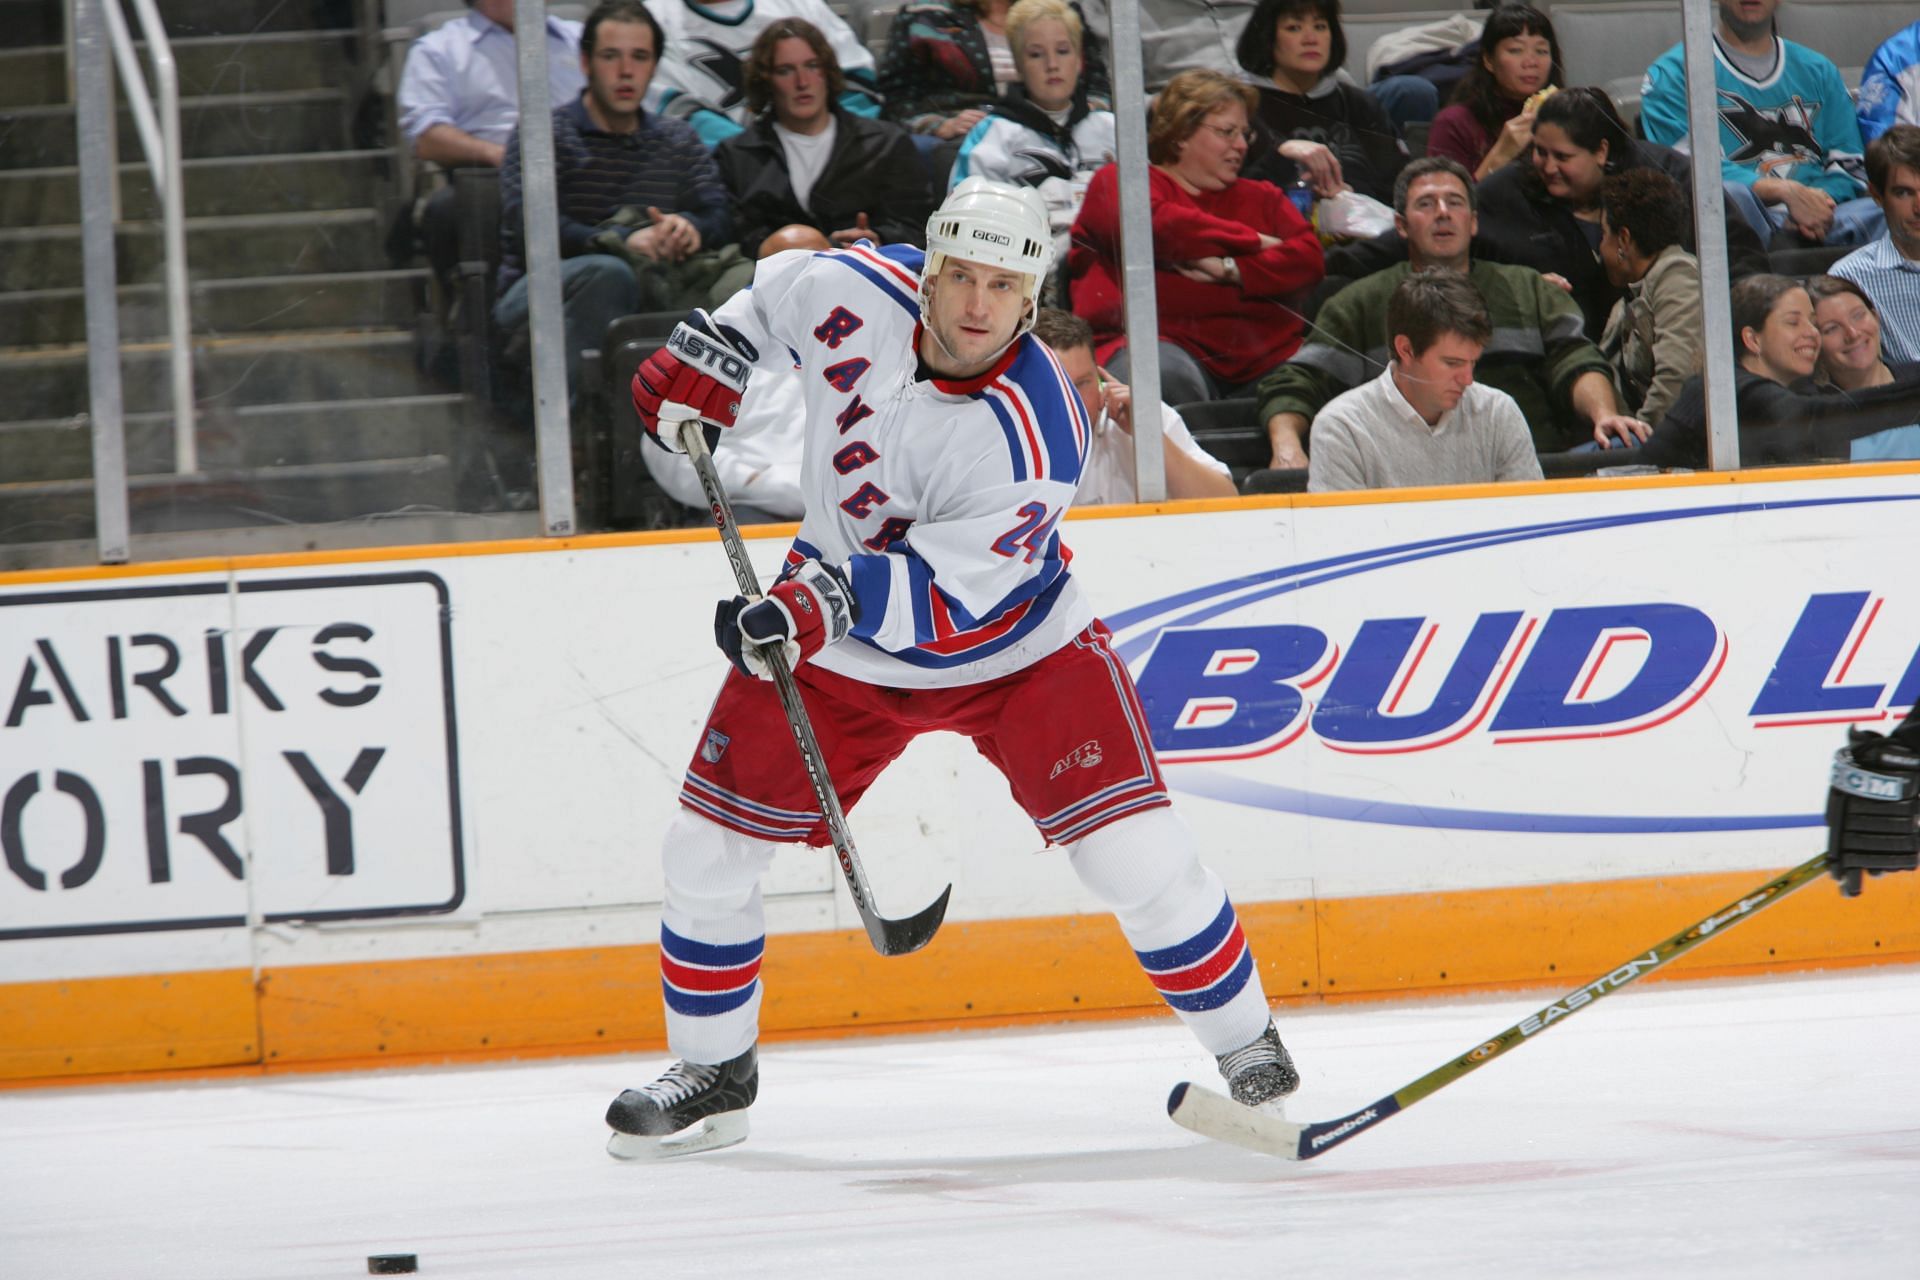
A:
[1232,258]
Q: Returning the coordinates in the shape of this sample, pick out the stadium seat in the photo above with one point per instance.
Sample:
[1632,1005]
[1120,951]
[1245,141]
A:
[1269,480]
[1847,31]
[1230,430]
[633,497]
[1613,42]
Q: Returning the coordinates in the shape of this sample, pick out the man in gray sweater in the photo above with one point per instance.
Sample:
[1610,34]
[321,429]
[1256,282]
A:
[1425,420]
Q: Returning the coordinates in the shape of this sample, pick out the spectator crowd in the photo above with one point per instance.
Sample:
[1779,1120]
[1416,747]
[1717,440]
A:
[1440,276]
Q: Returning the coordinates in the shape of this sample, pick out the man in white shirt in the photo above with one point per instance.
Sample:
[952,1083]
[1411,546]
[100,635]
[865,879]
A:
[459,99]
[1889,268]
[1107,475]
[1425,420]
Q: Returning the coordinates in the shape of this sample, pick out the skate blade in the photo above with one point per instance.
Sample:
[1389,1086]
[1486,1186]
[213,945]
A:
[727,1129]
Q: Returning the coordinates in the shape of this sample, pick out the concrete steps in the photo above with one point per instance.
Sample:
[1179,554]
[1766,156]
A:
[257,304]
[216,186]
[249,436]
[221,64]
[322,493]
[227,372]
[258,123]
[266,244]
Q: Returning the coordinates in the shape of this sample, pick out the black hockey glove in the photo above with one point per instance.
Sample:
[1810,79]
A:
[1873,810]
[809,609]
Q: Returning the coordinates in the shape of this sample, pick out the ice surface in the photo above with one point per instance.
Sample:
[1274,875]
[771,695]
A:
[1753,1129]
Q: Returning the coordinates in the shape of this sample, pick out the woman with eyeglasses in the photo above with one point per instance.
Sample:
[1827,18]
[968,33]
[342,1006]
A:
[1232,257]
[1783,416]
[1311,126]
[1850,360]
[1543,209]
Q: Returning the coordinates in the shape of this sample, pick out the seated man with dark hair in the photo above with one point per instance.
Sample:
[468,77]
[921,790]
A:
[1108,473]
[1537,352]
[1888,270]
[640,202]
[807,174]
[1424,421]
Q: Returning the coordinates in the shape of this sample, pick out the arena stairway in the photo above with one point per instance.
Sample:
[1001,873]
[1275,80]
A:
[311,405]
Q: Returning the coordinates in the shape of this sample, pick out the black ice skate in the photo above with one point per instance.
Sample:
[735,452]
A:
[692,1107]
[1260,1074]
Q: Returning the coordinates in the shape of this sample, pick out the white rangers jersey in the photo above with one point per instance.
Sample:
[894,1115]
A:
[706,51]
[939,499]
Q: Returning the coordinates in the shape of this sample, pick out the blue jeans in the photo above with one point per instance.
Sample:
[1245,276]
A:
[1406,99]
[595,290]
[1855,221]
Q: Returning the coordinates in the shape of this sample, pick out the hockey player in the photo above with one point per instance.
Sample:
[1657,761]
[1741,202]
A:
[1873,811]
[927,589]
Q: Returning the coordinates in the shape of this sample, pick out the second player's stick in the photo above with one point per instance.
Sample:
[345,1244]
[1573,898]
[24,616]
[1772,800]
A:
[889,937]
[1213,1116]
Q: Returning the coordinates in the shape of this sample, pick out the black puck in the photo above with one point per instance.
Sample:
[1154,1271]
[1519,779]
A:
[392,1264]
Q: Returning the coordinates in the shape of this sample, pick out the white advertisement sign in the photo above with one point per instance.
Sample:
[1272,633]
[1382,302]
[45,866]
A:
[206,754]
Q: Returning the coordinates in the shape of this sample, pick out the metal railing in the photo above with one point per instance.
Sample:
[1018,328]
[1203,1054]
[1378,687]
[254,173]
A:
[160,140]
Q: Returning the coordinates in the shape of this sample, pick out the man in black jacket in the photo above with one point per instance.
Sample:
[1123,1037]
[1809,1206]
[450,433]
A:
[806,174]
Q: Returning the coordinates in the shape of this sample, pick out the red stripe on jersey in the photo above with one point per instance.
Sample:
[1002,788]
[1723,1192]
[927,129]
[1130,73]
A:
[947,640]
[1027,428]
[690,979]
[900,273]
[1208,971]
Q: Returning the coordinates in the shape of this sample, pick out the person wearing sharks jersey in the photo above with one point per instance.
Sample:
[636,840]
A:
[702,77]
[928,589]
[1790,147]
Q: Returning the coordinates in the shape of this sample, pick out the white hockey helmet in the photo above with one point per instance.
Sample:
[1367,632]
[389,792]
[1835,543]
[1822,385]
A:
[993,223]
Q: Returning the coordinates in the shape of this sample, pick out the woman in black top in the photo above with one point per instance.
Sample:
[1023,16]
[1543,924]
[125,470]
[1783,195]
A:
[1782,417]
[1311,126]
[1543,210]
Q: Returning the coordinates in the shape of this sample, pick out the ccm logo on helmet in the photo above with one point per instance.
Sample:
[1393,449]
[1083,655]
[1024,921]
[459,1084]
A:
[699,351]
[993,236]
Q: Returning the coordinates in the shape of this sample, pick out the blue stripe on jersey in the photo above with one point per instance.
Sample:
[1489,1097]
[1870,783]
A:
[1011,429]
[1057,410]
[1042,606]
[909,256]
[712,955]
[1198,947]
[879,278]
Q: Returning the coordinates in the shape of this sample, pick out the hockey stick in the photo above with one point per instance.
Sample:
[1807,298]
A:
[1209,1114]
[889,937]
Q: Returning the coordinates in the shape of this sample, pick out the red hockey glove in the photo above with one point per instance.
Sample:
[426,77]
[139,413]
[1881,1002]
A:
[700,373]
[805,612]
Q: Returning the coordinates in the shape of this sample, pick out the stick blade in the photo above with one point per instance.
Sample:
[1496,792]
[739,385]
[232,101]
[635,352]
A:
[1212,1115]
[902,937]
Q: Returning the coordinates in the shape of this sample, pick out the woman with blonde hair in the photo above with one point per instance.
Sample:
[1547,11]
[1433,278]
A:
[1232,258]
[948,61]
[1043,134]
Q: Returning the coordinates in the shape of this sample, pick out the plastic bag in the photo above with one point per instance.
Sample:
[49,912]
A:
[1352,216]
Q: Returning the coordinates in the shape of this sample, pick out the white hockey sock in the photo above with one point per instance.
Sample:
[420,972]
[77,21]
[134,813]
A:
[1175,914]
[712,934]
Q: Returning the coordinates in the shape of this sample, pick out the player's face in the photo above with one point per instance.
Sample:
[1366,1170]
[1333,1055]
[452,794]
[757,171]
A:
[1520,65]
[1570,171]
[1211,157]
[1049,64]
[1439,223]
[1434,380]
[799,85]
[1901,201]
[1302,43]
[974,310]
[1787,346]
[619,69]
[1849,336]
